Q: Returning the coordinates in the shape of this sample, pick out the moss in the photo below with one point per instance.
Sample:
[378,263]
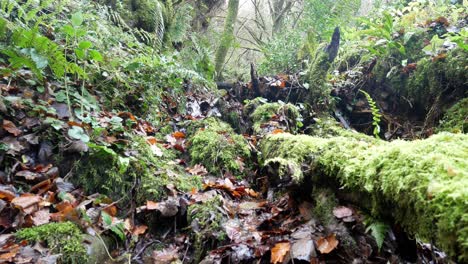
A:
[207,218]
[266,112]
[217,147]
[107,172]
[456,118]
[62,238]
[319,88]
[436,78]
[423,181]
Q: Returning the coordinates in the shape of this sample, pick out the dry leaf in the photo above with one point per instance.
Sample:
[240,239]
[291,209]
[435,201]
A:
[150,205]
[11,128]
[197,170]
[28,203]
[139,230]
[178,135]
[327,244]
[41,217]
[279,252]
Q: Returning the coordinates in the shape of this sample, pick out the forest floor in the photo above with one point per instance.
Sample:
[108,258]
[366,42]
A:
[227,219]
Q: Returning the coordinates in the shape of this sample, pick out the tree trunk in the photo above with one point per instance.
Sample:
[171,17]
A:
[227,37]
[421,184]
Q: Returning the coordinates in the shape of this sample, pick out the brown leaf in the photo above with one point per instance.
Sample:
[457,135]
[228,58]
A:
[11,128]
[6,195]
[178,135]
[197,170]
[279,252]
[27,203]
[150,205]
[327,244]
[41,217]
[342,212]
[165,256]
[139,230]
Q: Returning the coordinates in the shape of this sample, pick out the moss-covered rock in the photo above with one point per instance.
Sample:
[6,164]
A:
[63,238]
[106,171]
[215,145]
[206,220]
[422,184]
[456,118]
[443,75]
[266,117]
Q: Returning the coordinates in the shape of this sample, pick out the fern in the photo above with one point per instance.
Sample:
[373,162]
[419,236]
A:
[180,24]
[379,231]
[375,113]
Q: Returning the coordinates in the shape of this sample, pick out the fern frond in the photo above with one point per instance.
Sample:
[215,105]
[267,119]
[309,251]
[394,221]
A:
[379,232]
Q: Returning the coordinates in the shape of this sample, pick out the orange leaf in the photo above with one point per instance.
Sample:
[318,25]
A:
[277,131]
[111,210]
[7,195]
[150,205]
[178,135]
[279,252]
[151,140]
[139,230]
[327,244]
[11,128]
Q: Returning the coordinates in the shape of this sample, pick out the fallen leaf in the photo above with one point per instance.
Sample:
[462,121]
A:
[27,203]
[27,175]
[150,205]
[303,250]
[279,252]
[197,170]
[277,131]
[178,135]
[41,217]
[6,195]
[11,128]
[169,255]
[139,230]
[327,244]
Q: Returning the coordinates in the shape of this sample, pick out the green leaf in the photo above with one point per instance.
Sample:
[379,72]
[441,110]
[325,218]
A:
[85,45]
[77,19]
[379,232]
[80,54]
[68,30]
[118,229]
[123,164]
[106,218]
[77,132]
[61,96]
[95,55]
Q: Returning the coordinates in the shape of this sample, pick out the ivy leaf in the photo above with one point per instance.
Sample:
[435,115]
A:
[106,218]
[41,61]
[77,132]
[77,19]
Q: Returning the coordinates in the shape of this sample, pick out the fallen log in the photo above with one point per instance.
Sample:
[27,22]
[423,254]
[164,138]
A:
[421,184]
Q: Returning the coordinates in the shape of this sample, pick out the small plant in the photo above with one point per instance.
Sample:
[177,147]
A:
[375,113]
[378,230]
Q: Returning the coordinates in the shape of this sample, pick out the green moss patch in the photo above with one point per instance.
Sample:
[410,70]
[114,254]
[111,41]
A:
[62,238]
[215,145]
[266,117]
[422,183]
[113,174]
[456,118]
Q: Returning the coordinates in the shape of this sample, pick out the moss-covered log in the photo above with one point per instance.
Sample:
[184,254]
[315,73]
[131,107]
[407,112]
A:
[421,184]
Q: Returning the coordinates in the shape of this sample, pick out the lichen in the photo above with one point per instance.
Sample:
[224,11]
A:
[423,181]
[456,118]
[215,145]
[62,238]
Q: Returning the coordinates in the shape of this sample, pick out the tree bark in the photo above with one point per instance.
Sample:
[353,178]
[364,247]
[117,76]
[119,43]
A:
[227,37]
